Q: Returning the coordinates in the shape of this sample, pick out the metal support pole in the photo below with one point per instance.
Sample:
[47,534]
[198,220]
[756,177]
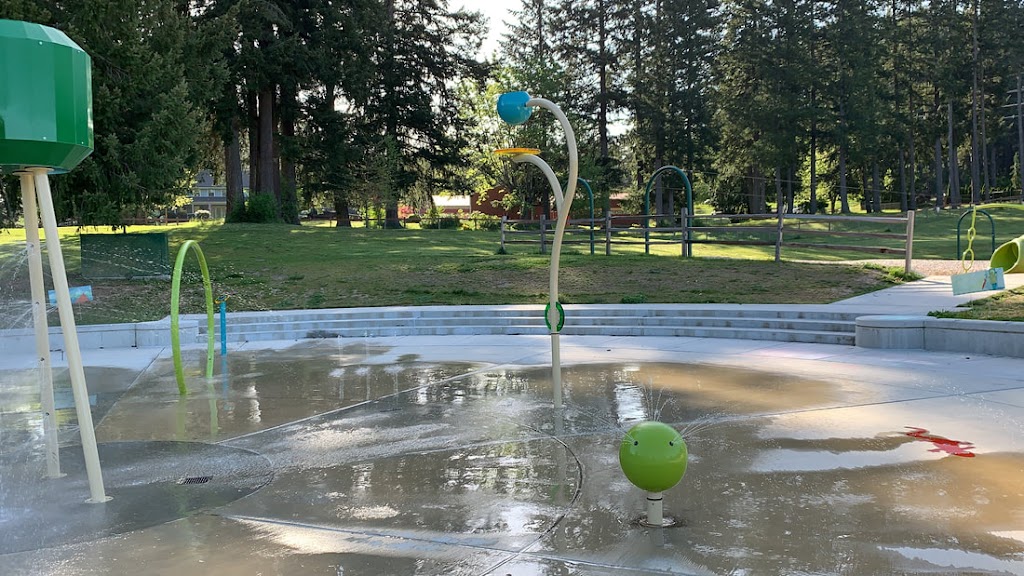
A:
[224,326]
[655,509]
[74,353]
[35,272]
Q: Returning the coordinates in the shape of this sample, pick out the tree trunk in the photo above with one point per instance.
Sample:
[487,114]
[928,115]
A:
[954,168]
[903,178]
[602,113]
[341,211]
[912,197]
[756,200]
[289,187]
[869,203]
[252,107]
[939,199]
[814,162]
[659,184]
[780,200]
[844,200]
[975,160]
[789,190]
[233,171]
[876,185]
[1020,137]
[266,145]
[986,184]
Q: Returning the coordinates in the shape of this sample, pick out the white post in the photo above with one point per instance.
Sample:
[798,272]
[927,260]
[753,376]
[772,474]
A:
[35,273]
[564,204]
[655,509]
[67,323]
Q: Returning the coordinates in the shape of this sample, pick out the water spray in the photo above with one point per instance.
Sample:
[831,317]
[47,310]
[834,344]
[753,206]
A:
[46,128]
[653,456]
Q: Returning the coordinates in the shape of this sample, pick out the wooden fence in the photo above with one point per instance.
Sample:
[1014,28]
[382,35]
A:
[685,230]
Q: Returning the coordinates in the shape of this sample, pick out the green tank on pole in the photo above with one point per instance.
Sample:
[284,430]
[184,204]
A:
[45,99]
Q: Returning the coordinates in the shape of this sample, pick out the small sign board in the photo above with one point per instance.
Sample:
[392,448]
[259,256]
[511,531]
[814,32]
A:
[79,294]
[979,281]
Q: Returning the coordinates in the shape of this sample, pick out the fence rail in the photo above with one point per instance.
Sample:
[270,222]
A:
[687,230]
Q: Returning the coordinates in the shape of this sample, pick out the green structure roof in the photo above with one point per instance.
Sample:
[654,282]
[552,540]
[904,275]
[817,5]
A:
[45,98]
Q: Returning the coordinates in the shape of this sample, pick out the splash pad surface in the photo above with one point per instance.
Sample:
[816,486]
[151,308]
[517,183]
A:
[444,456]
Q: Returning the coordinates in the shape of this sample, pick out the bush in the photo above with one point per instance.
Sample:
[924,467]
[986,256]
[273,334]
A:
[413,219]
[481,221]
[259,209]
[441,222]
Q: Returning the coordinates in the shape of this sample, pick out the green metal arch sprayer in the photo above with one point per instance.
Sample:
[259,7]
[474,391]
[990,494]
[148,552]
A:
[46,128]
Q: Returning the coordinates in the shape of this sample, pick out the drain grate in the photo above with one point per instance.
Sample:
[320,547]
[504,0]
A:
[195,480]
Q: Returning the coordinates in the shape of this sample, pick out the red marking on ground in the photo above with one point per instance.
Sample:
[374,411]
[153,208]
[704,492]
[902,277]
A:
[952,447]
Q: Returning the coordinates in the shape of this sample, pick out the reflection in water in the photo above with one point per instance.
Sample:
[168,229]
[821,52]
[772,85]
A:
[952,447]
[749,504]
[409,468]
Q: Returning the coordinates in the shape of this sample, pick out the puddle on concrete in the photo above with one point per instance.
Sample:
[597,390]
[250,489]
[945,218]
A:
[21,417]
[475,469]
[145,480]
[259,390]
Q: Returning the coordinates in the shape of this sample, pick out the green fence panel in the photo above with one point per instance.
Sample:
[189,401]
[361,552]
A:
[125,256]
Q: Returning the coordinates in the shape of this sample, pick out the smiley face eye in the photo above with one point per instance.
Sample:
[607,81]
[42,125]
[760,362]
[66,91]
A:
[635,443]
[671,443]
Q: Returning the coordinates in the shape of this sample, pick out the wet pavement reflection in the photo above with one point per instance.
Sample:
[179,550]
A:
[258,390]
[438,468]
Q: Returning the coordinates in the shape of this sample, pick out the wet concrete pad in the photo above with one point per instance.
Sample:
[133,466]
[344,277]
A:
[150,482]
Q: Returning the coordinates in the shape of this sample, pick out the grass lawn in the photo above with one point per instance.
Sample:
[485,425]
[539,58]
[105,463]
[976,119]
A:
[266,267]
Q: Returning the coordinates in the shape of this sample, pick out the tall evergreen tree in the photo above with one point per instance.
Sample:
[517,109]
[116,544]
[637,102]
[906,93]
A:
[422,50]
[148,128]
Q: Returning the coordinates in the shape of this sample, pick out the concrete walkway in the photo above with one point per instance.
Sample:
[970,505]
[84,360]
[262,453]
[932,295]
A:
[444,455]
[930,294]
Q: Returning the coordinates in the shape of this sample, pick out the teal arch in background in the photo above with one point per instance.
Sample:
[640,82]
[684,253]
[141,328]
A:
[179,372]
[959,253]
[590,195]
[647,205]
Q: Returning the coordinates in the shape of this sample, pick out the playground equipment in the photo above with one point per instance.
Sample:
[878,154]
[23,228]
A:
[973,213]
[590,196]
[46,127]
[1008,256]
[647,206]
[515,108]
[991,279]
[653,456]
[179,372]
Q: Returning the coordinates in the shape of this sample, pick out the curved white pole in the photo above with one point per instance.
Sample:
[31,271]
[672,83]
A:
[564,204]
[67,324]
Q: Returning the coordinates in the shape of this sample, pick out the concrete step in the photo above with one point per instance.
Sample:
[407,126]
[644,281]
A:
[572,313]
[351,327]
[756,323]
[818,337]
